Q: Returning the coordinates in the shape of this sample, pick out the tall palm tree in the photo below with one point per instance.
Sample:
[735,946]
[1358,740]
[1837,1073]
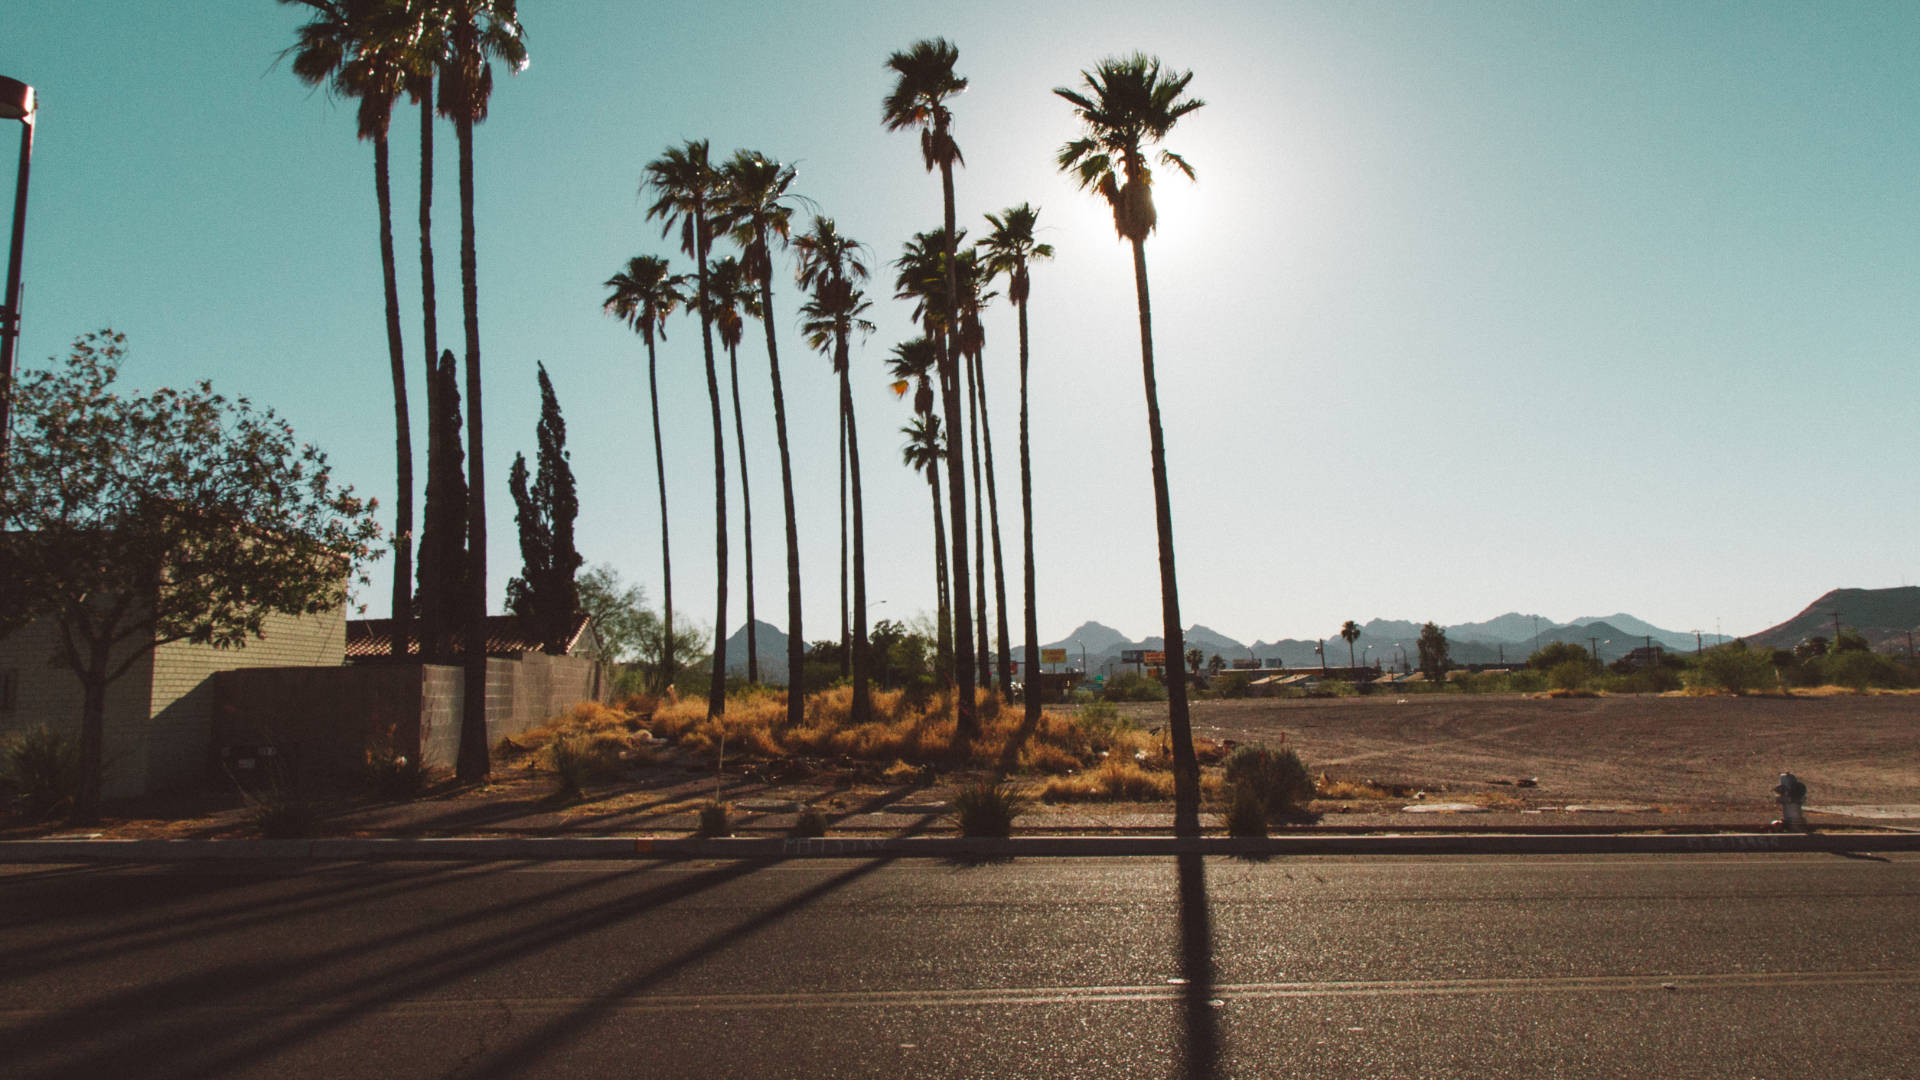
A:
[344,47]
[755,211]
[922,279]
[825,255]
[1351,632]
[478,33]
[922,453]
[730,295]
[923,81]
[1125,105]
[644,294]
[835,311]
[685,186]
[971,339]
[1009,248]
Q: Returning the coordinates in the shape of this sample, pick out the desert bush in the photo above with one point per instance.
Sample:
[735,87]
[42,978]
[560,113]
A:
[1276,777]
[1248,814]
[987,808]
[40,771]
[1859,670]
[1570,674]
[713,820]
[811,822]
[389,772]
[1733,668]
[1132,686]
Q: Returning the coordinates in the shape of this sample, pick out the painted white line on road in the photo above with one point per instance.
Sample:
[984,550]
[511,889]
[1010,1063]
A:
[1072,995]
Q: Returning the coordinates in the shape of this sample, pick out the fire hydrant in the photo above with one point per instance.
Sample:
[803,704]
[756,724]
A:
[1793,796]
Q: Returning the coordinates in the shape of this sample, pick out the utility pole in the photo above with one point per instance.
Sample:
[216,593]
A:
[1836,629]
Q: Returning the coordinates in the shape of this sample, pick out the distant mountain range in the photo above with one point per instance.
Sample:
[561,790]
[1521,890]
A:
[1885,616]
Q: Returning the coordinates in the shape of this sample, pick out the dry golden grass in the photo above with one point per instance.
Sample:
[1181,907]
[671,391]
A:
[1113,780]
[1350,789]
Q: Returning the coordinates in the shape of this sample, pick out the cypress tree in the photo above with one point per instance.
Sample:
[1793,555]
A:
[443,538]
[544,594]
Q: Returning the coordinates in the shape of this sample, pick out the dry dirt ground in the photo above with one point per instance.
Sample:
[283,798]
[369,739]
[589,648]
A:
[1678,752]
[1627,762]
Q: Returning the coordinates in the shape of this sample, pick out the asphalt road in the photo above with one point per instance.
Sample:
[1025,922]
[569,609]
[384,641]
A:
[1694,966]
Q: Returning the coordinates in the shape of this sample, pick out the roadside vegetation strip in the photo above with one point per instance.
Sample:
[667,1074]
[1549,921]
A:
[480,849]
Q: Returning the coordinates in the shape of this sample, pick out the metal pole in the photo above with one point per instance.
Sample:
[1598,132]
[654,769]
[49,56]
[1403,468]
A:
[16,102]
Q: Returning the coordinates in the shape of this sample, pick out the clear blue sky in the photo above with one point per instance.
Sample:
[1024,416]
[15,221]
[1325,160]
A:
[1569,309]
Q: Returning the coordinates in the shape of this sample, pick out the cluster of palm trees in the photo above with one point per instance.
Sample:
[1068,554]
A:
[439,54]
[376,51]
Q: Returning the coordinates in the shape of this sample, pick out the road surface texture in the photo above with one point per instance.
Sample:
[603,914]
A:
[1473,966]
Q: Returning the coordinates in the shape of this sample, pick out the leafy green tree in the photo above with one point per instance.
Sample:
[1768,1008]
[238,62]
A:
[731,296]
[1434,658]
[134,521]
[340,48]
[545,594]
[686,188]
[1010,248]
[1125,105]
[1850,640]
[644,294]
[619,613]
[924,80]
[837,309]
[755,212]
[1555,653]
[478,32]
[1735,668]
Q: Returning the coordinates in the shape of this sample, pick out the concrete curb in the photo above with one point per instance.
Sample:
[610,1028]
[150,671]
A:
[483,849]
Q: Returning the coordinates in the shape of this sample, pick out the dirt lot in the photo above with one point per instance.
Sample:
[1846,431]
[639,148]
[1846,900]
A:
[1672,752]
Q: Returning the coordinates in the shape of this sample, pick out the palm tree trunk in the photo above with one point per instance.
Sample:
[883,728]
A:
[862,705]
[796,647]
[1031,668]
[666,550]
[966,723]
[1003,672]
[474,763]
[717,685]
[746,512]
[1186,768]
[432,572]
[943,632]
[846,630]
[402,433]
[979,528]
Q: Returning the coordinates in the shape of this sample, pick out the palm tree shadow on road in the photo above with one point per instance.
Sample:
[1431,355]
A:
[1200,1017]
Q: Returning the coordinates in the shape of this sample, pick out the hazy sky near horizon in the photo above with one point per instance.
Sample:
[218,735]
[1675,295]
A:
[1475,307]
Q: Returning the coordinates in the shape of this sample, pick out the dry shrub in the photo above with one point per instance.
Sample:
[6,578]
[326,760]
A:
[1113,780]
[1046,758]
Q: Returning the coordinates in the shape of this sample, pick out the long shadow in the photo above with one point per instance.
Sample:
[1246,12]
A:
[513,1061]
[1200,1030]
[173,928]
[337,1003]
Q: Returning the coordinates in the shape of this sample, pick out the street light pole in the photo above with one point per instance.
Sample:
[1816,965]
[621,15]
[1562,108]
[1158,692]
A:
[16,103]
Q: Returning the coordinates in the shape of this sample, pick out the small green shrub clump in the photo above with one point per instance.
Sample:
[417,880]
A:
[1276,778]
[1102,723]
[1248,814]
[1570,674]
[1132,686]
[811,822]
[1735,668]
[987,808]
[40,771]
[714,821]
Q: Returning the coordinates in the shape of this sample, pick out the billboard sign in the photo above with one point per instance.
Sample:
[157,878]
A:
[1155,659]
[1133,656]
[1053,656]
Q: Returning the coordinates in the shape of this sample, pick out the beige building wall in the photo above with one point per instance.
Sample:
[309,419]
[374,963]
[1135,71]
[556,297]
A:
[159,716]
[45,691]
[179,729]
